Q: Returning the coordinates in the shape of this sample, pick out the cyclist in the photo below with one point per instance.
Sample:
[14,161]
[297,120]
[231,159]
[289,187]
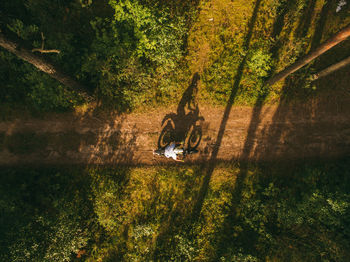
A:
[171,152]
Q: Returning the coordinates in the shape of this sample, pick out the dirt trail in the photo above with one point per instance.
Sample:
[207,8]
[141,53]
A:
[294,131]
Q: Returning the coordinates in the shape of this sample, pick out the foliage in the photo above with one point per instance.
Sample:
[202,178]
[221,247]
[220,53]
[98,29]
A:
[157,35]
[129,57]
[133,52]
[43,215]
[228,44]
[301,214]
[296,211]
[260,63]
[21,82]
[127,211]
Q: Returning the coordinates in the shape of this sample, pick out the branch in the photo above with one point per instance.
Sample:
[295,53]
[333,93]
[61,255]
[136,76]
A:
[18,47]
[43,51]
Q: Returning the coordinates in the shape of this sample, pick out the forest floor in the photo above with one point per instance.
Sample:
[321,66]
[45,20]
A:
[318,128]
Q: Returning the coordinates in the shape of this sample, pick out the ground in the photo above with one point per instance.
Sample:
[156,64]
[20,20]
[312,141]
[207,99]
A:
[317,128]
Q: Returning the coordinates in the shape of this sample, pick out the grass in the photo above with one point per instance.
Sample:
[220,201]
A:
[216,45]
[155,207]
[283,31]
[251,212]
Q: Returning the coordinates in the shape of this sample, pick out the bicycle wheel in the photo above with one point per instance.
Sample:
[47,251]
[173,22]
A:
[166,136]
[194,138]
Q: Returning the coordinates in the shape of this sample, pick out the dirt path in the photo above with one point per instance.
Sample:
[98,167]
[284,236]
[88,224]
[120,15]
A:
[298,131]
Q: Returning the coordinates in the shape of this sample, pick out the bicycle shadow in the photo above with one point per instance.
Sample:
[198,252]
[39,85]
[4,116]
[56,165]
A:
[184,126]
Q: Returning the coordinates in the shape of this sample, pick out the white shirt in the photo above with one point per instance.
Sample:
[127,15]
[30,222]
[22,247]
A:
[169,151]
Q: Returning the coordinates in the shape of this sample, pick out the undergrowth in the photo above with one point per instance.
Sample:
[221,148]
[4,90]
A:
[250,212]
[144,53]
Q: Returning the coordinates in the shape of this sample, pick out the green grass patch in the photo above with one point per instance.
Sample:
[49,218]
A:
[144,54]
[237,46]
[249,212]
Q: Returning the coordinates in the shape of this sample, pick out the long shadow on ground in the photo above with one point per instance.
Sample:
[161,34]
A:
[211,163]
[224,239]
[186,124]
[273,134]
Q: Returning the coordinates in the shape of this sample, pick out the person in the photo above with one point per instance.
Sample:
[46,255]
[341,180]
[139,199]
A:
[171,152]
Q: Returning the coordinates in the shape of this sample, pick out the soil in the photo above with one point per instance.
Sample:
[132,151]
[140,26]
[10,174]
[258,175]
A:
[318,128]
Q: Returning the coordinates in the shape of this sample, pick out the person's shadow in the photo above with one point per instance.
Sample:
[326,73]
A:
[184,126]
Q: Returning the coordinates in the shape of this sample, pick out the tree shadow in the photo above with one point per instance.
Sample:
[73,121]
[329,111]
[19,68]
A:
[90,142]
[321,24]
[277,29]
[306,18]
[271,136]
[257,109]
[186,124]
[183,126]
[115,146]
[274,133]
[178,215]
[295,85]
[58,196]
[213,158]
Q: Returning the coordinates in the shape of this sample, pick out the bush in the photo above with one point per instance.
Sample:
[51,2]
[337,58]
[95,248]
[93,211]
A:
[43,218]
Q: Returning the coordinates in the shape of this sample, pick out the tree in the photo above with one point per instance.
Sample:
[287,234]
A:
[331,69]
[18,47]
[333,41]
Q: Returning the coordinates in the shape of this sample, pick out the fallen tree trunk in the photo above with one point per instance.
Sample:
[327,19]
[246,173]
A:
[15,46]
[331,69]
[333,41]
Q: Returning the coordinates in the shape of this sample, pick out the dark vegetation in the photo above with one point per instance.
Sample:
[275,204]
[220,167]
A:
[287,212]
[132,53]
[128,52]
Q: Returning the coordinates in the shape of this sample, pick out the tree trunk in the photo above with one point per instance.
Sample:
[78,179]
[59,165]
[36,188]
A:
[16,47]
[331,69]
[336,39]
